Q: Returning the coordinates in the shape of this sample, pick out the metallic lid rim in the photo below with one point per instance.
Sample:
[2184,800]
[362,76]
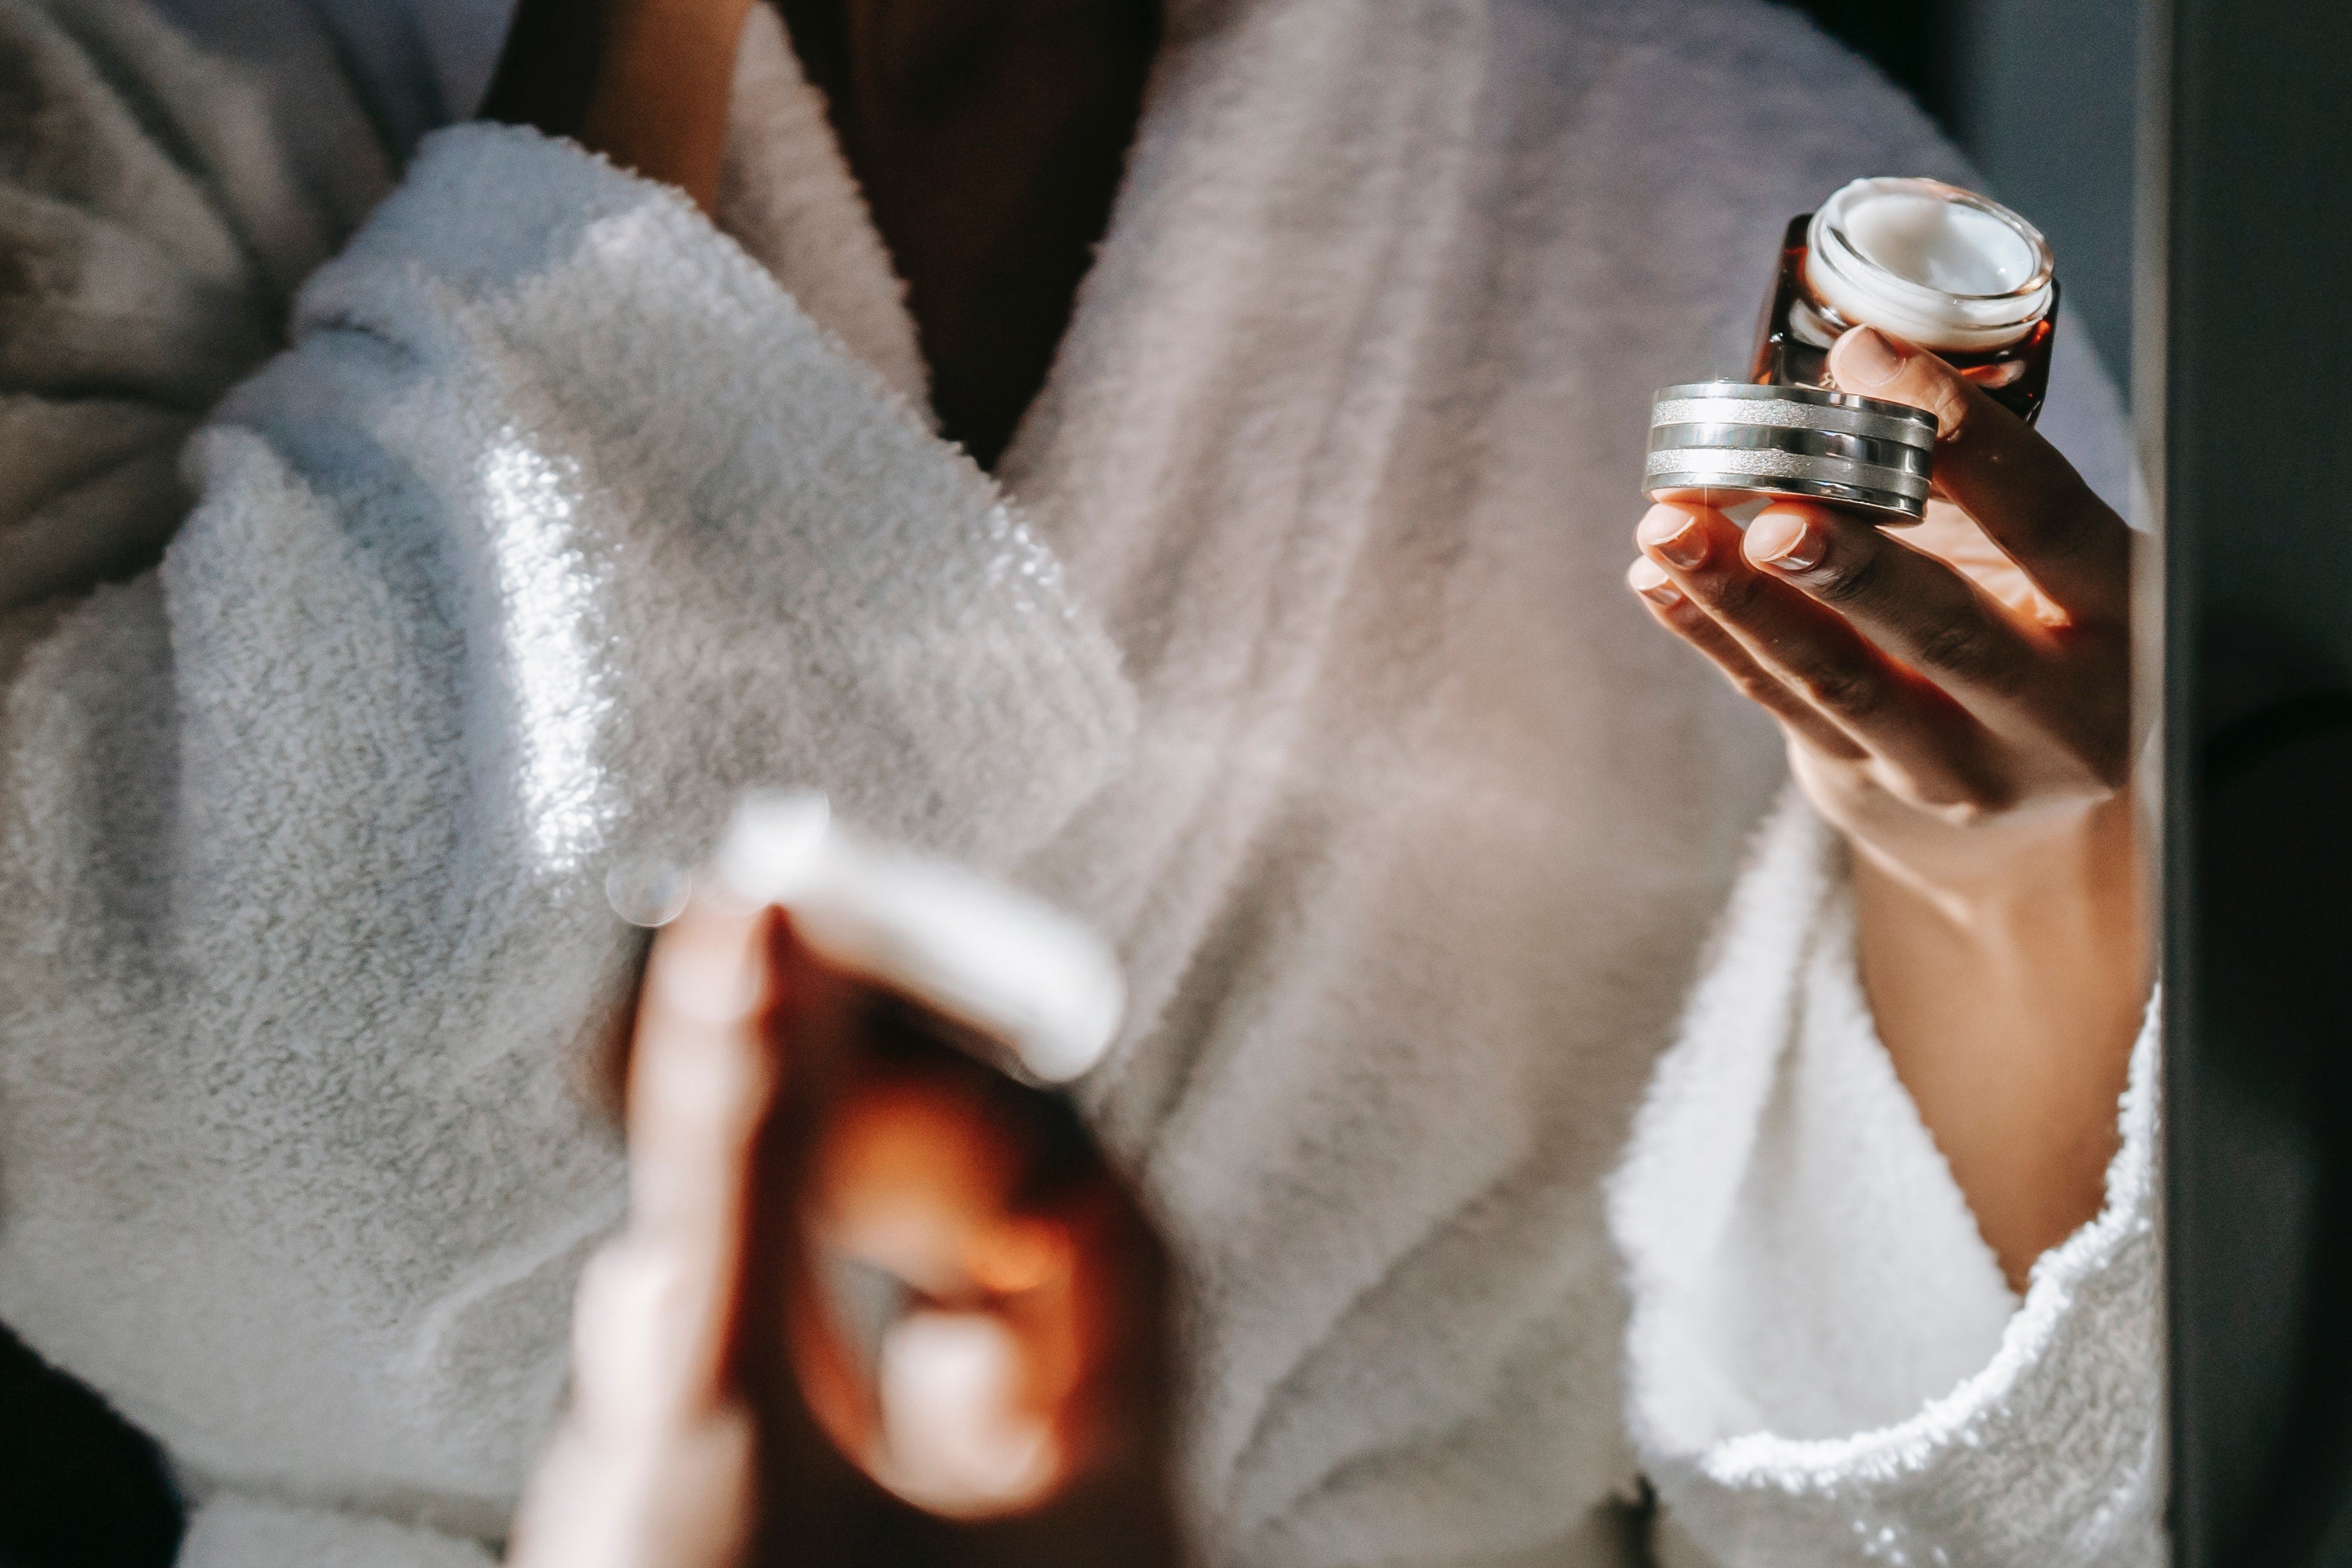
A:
[1917,432]
[1751,439]
[1898,507]
[1813,396]
[1772,463]
[1800,442]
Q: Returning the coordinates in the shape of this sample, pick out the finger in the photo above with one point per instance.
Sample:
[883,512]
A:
[640,1347]
[1940,751]
[639,1496]
[2004,474]
[1751,680]
[700,1074]
[649,1467]
[701,1082]
[1913,606]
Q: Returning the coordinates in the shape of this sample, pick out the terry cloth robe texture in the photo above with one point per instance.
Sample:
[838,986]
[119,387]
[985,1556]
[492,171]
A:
[1289,647]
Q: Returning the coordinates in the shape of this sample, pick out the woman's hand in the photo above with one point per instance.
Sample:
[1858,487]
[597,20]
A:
[1957,699]
[1003,1399]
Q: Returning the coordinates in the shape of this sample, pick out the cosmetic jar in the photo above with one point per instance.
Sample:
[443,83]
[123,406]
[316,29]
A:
[1949,270]
[1726,441]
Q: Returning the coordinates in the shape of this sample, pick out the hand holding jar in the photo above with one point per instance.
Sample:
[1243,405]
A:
[1952,686]
[1957,700]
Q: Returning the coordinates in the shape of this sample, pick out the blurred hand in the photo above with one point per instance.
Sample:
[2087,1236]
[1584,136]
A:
[1957,700]
[876,1302]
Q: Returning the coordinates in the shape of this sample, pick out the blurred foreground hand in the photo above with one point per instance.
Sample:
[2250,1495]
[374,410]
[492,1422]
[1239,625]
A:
[877,1302]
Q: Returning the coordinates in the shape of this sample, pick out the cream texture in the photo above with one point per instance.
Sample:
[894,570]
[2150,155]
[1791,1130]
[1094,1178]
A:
[1943,272]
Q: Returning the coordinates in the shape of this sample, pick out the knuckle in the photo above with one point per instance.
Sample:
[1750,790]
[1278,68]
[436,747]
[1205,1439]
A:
[1958,808]
[1944,394]
[1974,797]
[1736,594]
[1845,686]
[1970,647]
[1858,576]
[1968,810]
[1992,794]
[1956,644]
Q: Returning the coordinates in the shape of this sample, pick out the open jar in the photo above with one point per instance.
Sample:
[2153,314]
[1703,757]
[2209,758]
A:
[1954,272]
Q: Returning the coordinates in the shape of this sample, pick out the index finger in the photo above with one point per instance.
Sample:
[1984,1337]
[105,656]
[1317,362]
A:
[2010,478]
[702,1079]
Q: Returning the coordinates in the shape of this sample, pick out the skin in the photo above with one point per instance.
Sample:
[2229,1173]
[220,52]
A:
[718,1415]
[659,101]
[1957,700]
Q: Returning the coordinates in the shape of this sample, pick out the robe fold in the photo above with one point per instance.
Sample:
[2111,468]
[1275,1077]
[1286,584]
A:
[517,517]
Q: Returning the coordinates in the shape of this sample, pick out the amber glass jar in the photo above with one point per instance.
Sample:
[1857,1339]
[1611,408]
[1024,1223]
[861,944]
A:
[1934,264]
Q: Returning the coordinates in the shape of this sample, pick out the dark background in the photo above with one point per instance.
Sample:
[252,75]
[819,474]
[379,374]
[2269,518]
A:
[2258,862]
[2039,94]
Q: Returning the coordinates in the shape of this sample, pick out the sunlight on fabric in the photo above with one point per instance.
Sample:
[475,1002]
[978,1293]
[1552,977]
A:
[547,591]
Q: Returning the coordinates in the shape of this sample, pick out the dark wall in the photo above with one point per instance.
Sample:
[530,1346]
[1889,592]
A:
[2041,95]
[2258,1093]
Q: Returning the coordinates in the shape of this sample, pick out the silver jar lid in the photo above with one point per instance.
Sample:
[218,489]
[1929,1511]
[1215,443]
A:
[1792,441]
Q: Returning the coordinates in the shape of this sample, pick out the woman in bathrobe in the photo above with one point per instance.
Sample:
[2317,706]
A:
[1286,640]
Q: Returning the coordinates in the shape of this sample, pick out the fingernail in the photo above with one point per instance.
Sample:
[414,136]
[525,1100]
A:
[1675,534]
[1865,357]
[1786,542]
[1649,579]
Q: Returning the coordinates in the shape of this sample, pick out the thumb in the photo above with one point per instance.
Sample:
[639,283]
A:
[1866,361]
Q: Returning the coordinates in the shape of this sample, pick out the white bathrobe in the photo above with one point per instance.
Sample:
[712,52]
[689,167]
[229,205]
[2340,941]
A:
[1289,645]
